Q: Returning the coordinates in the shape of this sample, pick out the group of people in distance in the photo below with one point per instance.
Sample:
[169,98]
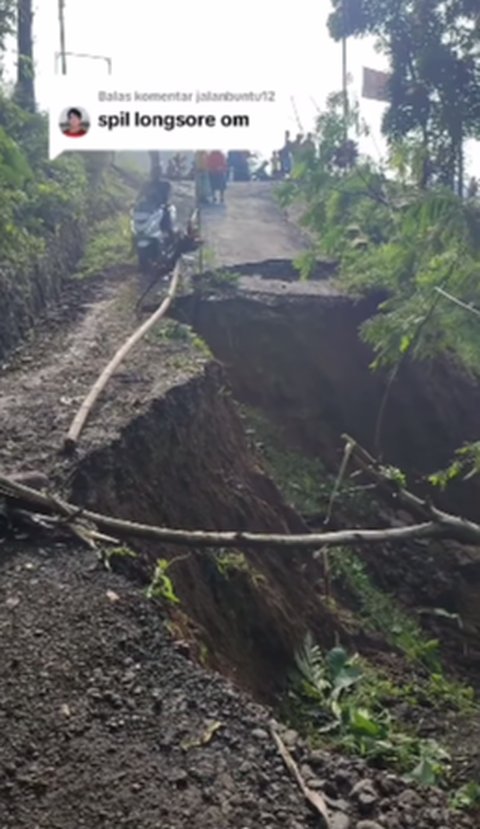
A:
[212,170]
[292,151]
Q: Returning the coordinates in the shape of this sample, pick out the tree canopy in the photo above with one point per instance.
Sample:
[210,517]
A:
[433,47]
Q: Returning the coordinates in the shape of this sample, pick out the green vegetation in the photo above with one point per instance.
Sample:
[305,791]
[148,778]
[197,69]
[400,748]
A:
[465,465]
[408,228]
[405,230]
[390,236]
[231,562]
[308,487]
[36,196]
[467,797]
[304,482]
[111,553]
[434,92]
[110,245]
[219,279]
[47,211]
[341,701]
[161,585]
[172,331]
[39,197]
[380,612]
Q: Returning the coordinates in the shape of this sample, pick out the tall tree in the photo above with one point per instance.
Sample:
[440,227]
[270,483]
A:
[433,48]
[7,21]
[25,87]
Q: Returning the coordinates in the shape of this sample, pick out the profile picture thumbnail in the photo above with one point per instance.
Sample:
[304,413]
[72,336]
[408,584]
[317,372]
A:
[74,122]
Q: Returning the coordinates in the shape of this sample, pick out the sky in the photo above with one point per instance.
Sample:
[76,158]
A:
[172,41]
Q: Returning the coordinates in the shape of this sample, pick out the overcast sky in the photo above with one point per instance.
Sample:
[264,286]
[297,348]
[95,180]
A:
[165,41]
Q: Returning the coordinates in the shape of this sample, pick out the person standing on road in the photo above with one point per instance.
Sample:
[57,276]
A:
[297,148]
[217,166]
[275,165]
[285,156]
[308,146]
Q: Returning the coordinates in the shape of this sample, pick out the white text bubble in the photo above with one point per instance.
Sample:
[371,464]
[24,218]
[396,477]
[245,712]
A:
[118,115]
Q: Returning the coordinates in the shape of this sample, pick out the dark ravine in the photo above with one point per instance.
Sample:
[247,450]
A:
[299,359]
[187,461]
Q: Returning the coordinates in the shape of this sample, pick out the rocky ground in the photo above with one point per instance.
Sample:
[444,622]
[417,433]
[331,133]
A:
[105,723]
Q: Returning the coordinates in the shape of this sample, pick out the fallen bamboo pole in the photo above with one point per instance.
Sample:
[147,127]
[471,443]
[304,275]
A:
[81,417]
[446,527]
[431,521]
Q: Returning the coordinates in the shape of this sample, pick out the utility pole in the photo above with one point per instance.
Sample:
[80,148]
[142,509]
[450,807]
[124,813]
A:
[61,20]
[25,86]
[344,71]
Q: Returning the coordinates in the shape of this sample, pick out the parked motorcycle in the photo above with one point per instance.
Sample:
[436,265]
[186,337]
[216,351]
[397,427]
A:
[155,236]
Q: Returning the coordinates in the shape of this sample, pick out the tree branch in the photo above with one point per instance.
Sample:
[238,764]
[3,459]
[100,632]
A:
[453,526]
[458,302]
[439,525]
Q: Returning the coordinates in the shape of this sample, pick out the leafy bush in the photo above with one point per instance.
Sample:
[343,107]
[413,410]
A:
[393,238]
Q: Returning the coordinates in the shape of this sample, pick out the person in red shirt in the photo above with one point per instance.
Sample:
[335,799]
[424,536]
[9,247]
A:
[217,167]
[76,127]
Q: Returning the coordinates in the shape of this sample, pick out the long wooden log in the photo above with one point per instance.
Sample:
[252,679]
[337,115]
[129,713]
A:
[81,417]
[447,527]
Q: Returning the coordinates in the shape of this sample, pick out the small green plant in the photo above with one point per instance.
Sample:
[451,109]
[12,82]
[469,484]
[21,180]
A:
[466,797]
[201,346]
[441,691]
[218,279]
[116,552]
[204,655]
[230,562]
[172,331]
[161,585]
[328,677]
[432,765]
